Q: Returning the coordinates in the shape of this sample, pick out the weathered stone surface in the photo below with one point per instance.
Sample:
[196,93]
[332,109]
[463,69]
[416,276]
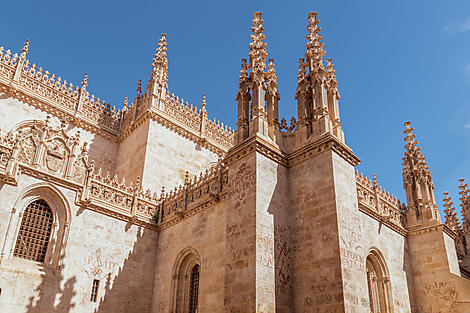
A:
[157,208]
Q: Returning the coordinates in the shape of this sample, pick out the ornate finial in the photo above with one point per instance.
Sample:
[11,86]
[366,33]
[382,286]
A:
[139,88]
[126,99]
[302,84]
[410,137]
[314,51]
[450,216]
[160,61]
[243,80]
[258,50]
[465,199]
[203,106]
[25,48]
[374,180]
[272,79]
[331,81]
[85,81]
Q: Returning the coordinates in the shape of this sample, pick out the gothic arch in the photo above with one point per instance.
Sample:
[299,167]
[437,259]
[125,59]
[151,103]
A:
[181,279]
[61,216]
[378,282]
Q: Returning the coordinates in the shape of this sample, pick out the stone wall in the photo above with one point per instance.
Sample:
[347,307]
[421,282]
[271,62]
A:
[170,155]
[203,233]
[317,275]
[119,254]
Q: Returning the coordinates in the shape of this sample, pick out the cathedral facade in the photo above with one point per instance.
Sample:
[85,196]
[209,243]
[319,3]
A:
[155,207]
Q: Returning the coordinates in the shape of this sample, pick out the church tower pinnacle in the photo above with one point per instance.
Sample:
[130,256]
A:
[158,83]
[317,91]
[418,183]
[259,87]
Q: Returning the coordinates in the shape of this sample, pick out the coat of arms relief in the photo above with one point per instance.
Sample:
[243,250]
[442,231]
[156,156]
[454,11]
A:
[55,150]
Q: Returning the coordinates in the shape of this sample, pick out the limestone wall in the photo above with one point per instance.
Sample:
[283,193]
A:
[359,233]
[131,156]
[274,232]
[103,150]
[317,276]
[169,156]
[203,233]
[97,246]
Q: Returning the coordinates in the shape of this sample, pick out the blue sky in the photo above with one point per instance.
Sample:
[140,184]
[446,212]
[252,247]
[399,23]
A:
[394,60]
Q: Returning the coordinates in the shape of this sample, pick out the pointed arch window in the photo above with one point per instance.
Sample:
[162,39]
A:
[35,231]
[378,283]
[194,289]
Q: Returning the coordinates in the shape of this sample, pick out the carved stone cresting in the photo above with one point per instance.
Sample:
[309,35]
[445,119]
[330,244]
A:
[34,85]
[381,205]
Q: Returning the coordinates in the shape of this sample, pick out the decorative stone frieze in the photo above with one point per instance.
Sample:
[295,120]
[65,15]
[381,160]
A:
[379,204]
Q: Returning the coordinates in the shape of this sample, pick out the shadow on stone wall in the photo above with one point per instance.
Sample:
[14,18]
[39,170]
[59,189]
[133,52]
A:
[129,290]
[50,291]
[283,253]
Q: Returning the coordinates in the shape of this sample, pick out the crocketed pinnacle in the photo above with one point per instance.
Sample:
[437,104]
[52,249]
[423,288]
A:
[203,106]
[257,51]
[243,79]
[464,200]
[414,161]
[451,219]
[85,81]
[160,61]
[331,81]
[271,79]
[302,83]
[314,51]
[139,87]
[25,48]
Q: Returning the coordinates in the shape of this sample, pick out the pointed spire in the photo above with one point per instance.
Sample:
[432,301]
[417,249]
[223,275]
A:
[417,179]
[85,81]
[302,84]
[243,81]
[124,106]
[464,201]
[451,219]
[203,106]
[139,87]
[160,61]
[314,51]
[271,79]
[25,49]
[258,52]
[331,81]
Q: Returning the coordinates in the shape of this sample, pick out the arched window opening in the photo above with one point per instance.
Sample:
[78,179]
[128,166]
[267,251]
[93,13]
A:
[185,282]
[378,284]
[194,289]
[35,231]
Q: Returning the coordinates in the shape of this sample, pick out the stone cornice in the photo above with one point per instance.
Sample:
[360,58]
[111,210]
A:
[323,143]
[272,151]
[384,221]
[258,144]
[433,227]
[206,203]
